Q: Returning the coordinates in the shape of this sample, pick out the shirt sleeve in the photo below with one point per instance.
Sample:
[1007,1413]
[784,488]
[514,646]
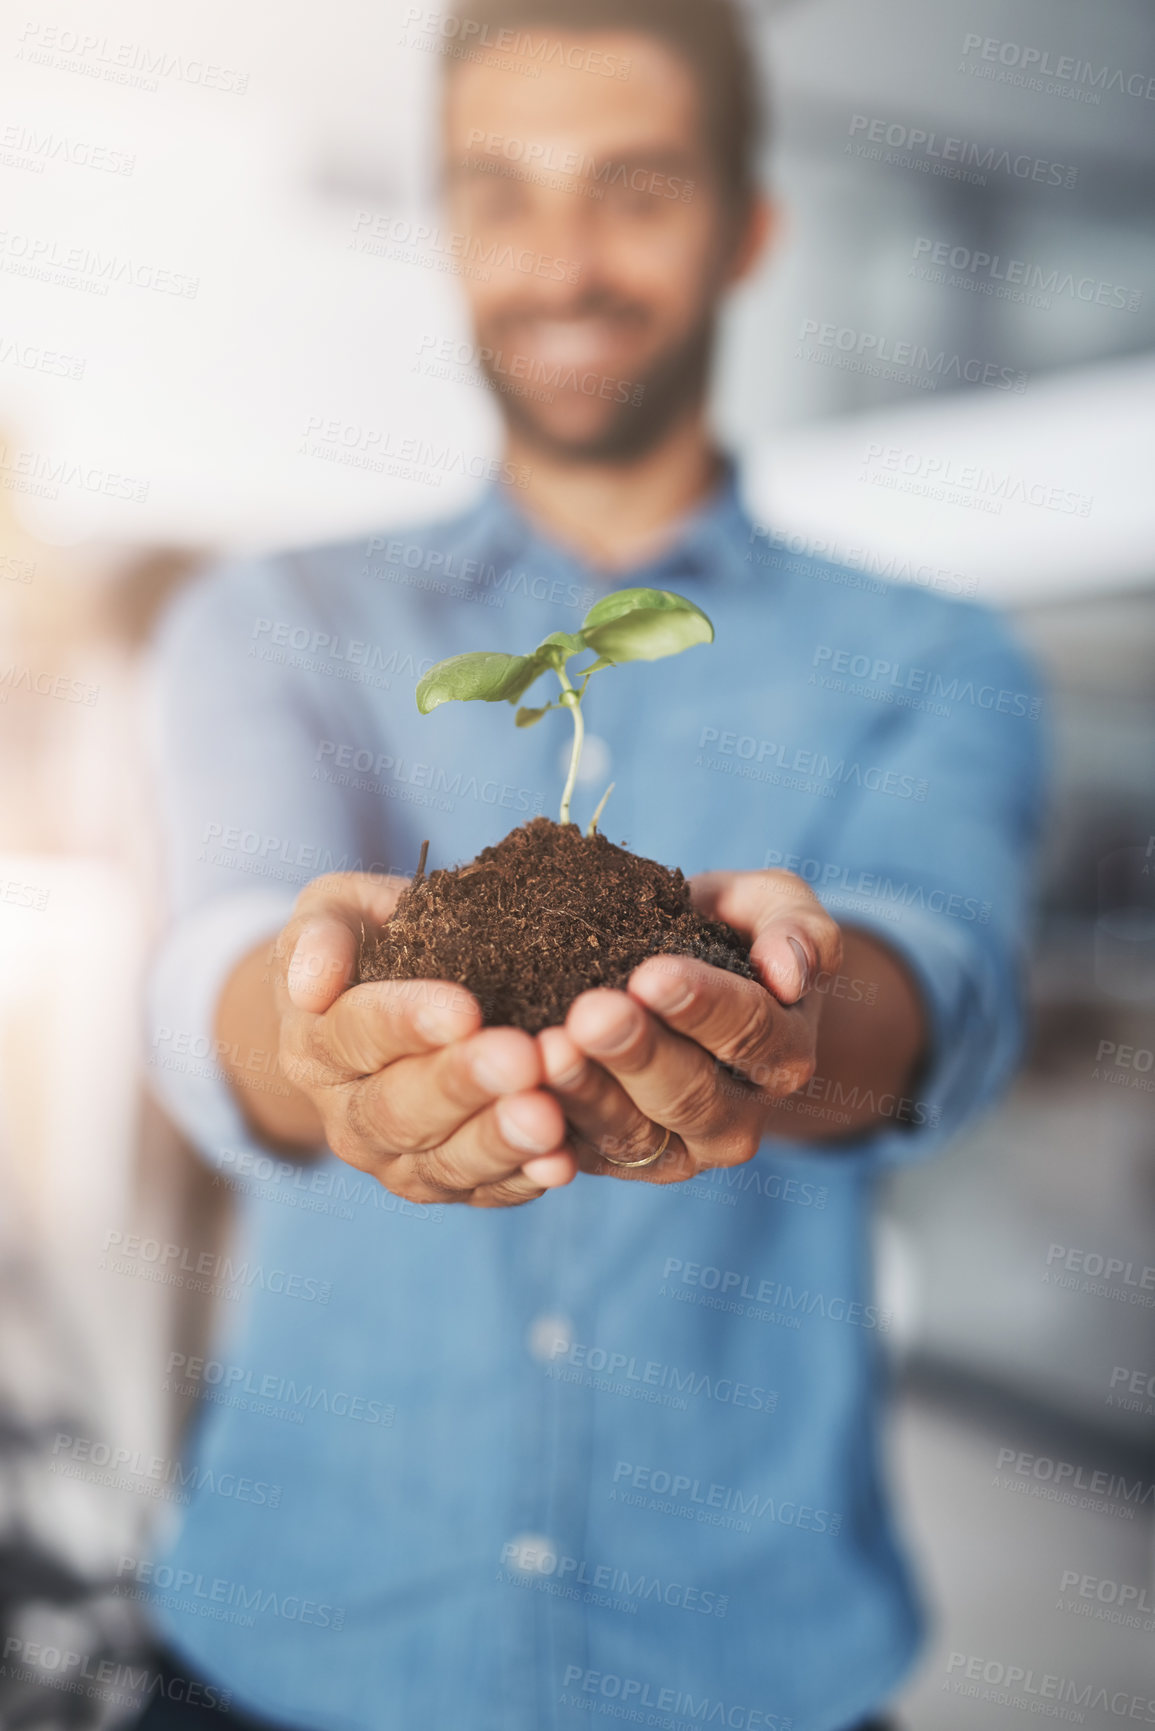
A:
[933,855]
[234,731]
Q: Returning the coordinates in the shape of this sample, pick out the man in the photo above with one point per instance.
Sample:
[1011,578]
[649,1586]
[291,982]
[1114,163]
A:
[616,1451]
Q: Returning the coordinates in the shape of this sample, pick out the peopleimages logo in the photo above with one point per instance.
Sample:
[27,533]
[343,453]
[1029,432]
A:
[828,561]
[112,1682]
[222,1599]
[455,252]
[25,147]
[957,158]
[985,489]
[745,1289]
[1106,1601]
[536,1559]
[1016,278]
[908,362]
[539,154]
[455,31]
[153,1475]
[891,680]
[371,770]
[176,1265]
[592,1690]
[1066,1477]
[507,368]
[830,878]
[1036,64]
[668,1492]
[1108,1275]
[1018,1681]
[651,1379]
[138,64]
[451,575]
[40,256]
[805,769]
[269,1386]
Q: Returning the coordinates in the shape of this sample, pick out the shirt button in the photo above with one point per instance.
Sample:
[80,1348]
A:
[531,1554]
[550,1337]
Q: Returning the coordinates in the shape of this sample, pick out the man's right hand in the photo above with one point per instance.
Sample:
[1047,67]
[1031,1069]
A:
[398,1077]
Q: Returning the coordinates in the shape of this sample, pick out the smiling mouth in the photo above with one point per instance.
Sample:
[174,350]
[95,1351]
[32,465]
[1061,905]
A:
[587,341]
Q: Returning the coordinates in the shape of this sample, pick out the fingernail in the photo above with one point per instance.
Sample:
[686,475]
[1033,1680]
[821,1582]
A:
[803,966]
[665,993]
[548,1170]
[306,972]
[608,1042]
[528,1141]
[438,1023]
[494,1076]
[569,1078]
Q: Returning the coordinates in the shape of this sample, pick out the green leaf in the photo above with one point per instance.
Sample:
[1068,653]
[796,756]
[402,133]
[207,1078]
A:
[559,646]
[482,676]
[644,625]
[527,717]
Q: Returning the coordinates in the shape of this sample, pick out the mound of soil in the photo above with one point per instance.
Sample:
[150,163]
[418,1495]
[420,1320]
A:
[541,917]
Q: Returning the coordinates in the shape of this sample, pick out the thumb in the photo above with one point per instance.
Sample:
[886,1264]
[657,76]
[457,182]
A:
[319,948]
[793,940]
[322,963]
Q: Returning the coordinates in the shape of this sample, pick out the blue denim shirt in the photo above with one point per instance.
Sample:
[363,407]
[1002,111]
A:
[615,1452]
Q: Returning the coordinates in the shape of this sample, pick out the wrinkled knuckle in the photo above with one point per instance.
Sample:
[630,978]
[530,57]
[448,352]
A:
[732,1087]
[397,1126]
[348,1146]
[369,1124]
[441,1169]
[404,1181]
[696,1101]
[506,1194]
[294,1066]
[309,1039]
[747,1052]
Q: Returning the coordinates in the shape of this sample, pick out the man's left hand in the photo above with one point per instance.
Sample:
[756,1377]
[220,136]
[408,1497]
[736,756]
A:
[695,1050]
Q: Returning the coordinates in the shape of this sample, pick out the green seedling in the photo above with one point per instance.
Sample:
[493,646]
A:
[630,625]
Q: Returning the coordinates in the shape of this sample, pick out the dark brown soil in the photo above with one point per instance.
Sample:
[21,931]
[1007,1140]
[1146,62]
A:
[541,917]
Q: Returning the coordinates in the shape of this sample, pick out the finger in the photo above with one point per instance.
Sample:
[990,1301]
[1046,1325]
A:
[371,1026]
[793,938]
[492,1147]
[415,1104]
[368,896]
[318,949]
[734,1019]
[549,1172]
[606,1122]
[321,964]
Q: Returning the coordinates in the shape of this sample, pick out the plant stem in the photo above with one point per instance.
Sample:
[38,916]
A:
[573,703]
[593,824]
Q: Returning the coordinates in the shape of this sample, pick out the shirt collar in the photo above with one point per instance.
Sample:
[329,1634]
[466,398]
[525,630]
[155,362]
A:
[711,543]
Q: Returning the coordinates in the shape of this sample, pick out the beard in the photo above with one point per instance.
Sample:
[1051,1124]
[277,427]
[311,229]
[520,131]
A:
[672,383]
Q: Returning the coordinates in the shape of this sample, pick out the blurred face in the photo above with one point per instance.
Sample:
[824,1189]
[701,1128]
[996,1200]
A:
[598,240]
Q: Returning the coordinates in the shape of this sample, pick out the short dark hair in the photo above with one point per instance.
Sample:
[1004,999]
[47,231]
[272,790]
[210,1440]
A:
[708,35]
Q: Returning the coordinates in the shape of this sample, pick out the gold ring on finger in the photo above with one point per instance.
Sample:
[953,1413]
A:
[646,1160]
